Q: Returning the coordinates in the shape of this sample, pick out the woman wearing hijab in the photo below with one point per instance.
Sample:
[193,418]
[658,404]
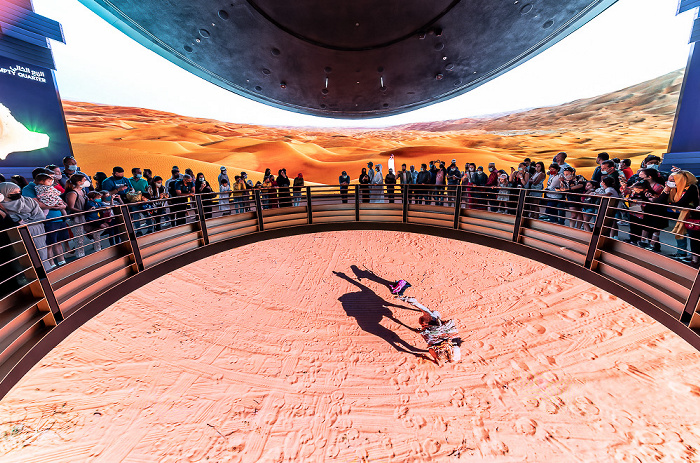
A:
[681,190]
[201,186]
[377,188]
[296,190]
[283,188]
[25,210]
[364,180]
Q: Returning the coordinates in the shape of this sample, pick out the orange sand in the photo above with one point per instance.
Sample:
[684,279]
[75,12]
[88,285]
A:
[250,356]
[630,123]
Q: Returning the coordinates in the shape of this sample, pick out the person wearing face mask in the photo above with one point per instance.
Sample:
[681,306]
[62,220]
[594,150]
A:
[137,181]
[70,167]
[56,177]
[184,191]
[159,194]
[414,175]
[607,169]
[21,209]
[573,185]
[598,172]
[76,200]
[469,197]
[202,187]
[681,190]
[422,184]
[554,211]
[283,184]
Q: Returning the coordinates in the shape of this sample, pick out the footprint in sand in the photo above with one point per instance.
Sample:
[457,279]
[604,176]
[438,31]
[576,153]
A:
[536,329]
[526,426]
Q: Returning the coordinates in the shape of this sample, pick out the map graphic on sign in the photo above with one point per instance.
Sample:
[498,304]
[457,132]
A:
[16,137]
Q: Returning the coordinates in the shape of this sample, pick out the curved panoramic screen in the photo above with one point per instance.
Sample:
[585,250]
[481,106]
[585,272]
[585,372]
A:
[357,59]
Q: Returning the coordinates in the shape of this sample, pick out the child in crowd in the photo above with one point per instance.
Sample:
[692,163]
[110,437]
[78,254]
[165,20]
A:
[50,196]
[503,195]
[589,209]
[224,200]
[636,209]
[47,194]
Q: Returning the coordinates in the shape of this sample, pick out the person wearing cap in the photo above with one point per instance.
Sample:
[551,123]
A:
[117,184]
[344,182]
[223,175]
[296,190]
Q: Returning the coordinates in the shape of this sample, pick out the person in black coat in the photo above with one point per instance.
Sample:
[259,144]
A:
[283,188]
[390,181]
[364,185]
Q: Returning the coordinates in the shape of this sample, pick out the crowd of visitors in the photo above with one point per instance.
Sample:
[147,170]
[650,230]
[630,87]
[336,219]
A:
[66,209]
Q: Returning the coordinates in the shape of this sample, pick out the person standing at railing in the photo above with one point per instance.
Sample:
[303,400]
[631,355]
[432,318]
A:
[390,181]
[48,195]
[25,211]
[637,207]
[184,190]
[75,199]
[377,188]
[70,167]
[573,185]
[681,190]
[267,191]
[344,182]
[655,218]
[203,188]
[224,197]
[423,185]
[296,189]
[454,177]
[364,181]
[138,185]
[554,212]
[283,188]
[440,182]
[158,194]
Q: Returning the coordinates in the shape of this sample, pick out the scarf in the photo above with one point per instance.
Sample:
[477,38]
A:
[20,209]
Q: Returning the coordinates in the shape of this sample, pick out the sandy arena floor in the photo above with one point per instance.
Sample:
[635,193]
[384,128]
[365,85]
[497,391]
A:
[264,354]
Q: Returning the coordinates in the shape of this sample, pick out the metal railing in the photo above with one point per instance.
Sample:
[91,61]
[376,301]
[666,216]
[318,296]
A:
[113,250]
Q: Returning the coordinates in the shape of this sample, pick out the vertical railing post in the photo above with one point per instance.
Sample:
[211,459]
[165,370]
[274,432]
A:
[692,302]
[124,209]
[38,265]
[458,206]
[519,214]
[202,222]
[404,198]
[309,211]
[597,234]
[259,210]
[357,203]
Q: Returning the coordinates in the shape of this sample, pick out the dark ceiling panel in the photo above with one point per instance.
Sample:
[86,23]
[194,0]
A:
[348,58]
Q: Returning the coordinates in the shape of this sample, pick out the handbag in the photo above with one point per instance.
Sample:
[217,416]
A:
[692,224]
[133,196]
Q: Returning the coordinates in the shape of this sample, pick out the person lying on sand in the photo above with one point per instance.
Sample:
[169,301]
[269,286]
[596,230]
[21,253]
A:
[439,335]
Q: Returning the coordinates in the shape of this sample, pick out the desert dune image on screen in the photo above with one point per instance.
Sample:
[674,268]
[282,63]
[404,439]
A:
[399,231]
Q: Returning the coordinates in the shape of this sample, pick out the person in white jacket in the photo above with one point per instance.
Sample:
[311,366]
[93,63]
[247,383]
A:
[436,333]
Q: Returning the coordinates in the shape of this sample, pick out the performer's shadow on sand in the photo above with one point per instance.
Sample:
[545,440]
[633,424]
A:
[368,309]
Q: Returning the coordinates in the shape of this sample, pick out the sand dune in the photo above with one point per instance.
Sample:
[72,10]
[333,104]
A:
[289,362]
[630,123]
